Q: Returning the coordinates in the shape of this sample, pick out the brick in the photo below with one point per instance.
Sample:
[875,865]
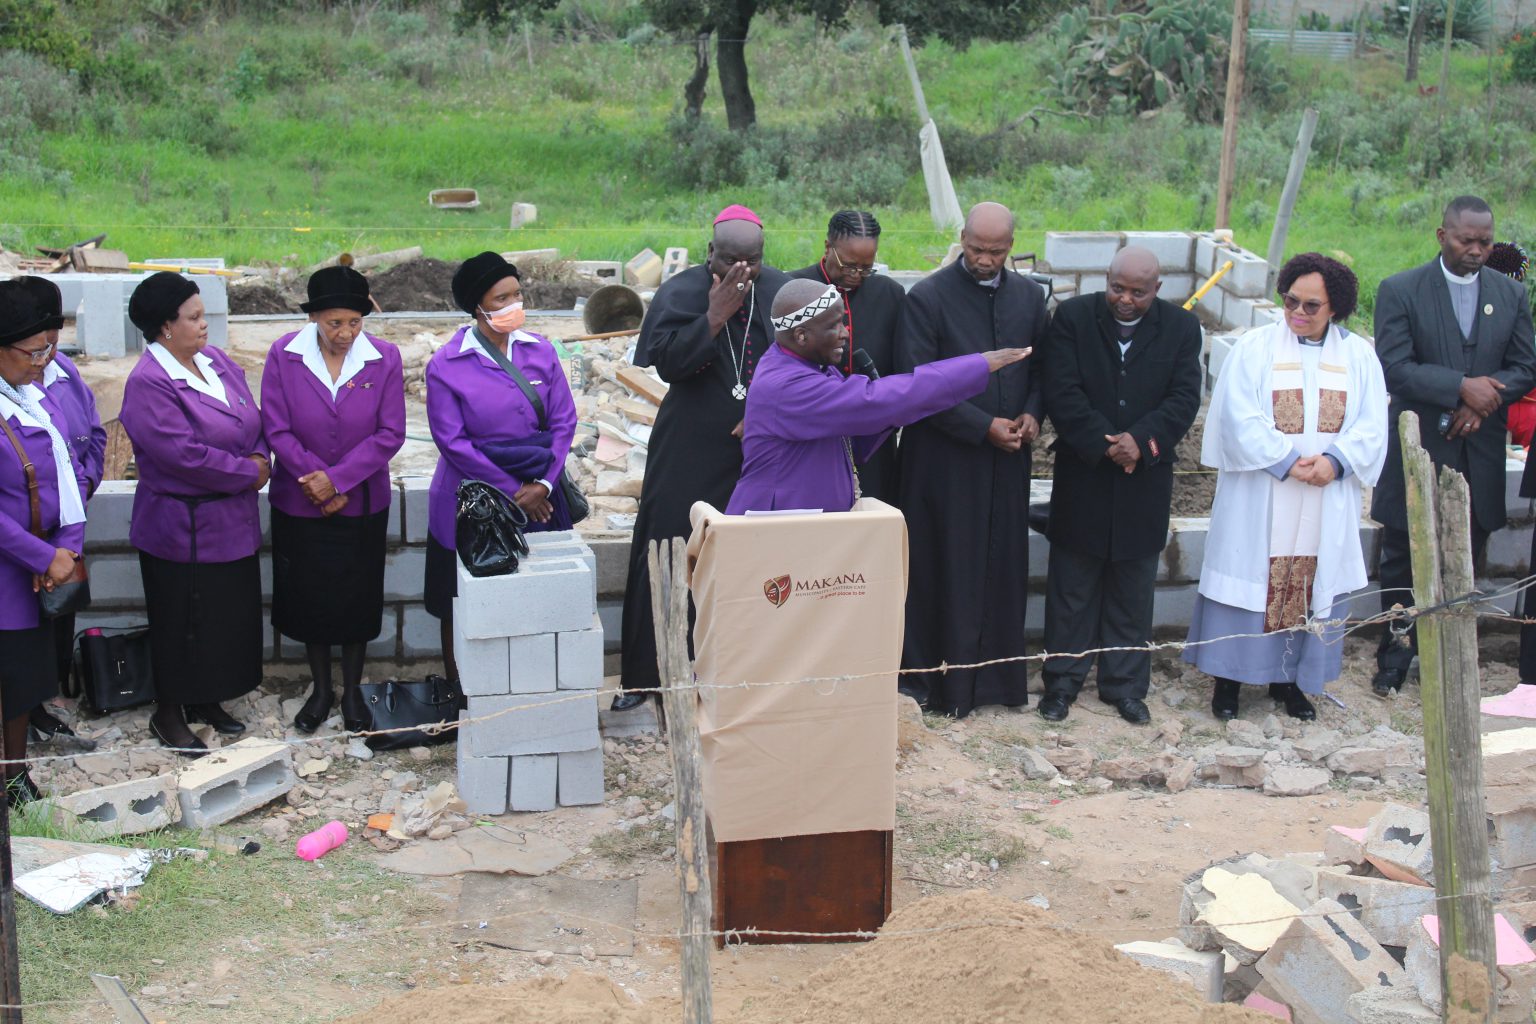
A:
[1214,303]
[1511,824]
[581,777]
[110,512]
[532,663]
[1265,313]
[1201,970]
[405,574]
[543,596]
[1343,845]
[1080,250]
[534,782]
[421,634]
[522,214]
[232,781]
[1175,250]
[483,781]
[1325,957]
[415,491]
[484,666]
[643,269]
[1242,897]
[1387,1006]
[611,555]
[1177,288]
[1397,842]
[601,271]
[116,581]
[1088,284]
[552,723]
[1249,276]
[579,657]
[1209,253]
[125,809]
[1506,753]
[1389,910]
[387,643]
[674,262]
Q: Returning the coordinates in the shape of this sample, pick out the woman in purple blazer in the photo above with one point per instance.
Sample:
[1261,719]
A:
[197,442]
[333,409]
[484,425]
[30,318]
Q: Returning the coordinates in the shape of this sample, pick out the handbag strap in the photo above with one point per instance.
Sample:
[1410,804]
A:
[517,377]
[31,473]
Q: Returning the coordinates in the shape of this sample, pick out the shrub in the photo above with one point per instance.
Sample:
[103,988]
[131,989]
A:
[1522,57]
[43,96]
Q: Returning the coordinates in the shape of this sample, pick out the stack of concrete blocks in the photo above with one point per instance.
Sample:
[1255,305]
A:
[1078,261]
[529,647]
[99,303]
[1509,788]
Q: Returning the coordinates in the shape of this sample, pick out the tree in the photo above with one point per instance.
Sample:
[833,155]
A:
[957,22]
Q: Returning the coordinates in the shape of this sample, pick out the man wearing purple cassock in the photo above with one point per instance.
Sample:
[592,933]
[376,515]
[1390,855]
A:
[807,425]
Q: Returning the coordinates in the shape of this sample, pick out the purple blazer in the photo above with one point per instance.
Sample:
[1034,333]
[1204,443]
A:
[186,443]
[805,423]
[21,553]
[471,401]
[352,438]
[81,425]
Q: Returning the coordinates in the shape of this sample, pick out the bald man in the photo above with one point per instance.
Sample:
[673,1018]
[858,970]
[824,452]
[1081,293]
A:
[808,425]
[1122,387]
[964,479]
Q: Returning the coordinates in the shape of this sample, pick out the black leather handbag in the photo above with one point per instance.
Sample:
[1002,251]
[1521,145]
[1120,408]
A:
[411,706]
[488,529]
[112,668]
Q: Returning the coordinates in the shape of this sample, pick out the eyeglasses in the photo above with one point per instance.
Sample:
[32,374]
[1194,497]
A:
[37,356]
[1311,307]
[851,268]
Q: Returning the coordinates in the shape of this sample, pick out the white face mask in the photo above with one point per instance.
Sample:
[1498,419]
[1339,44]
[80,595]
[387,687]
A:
[505,320]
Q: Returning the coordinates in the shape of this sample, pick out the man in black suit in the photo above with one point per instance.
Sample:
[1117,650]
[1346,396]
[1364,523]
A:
[1122,387]
[1454,339]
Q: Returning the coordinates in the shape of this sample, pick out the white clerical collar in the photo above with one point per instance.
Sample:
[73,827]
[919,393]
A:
[1456,278]
[1129,323]
[307,344]
[53,373]
[210,384]
[472,343]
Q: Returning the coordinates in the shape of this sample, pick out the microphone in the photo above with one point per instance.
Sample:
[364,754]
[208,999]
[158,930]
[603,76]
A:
[864,364]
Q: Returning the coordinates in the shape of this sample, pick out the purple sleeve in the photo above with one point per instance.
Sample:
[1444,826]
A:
[160,430]
[446,421]
[366,459]
[1341,467]
[277,420]
[817,406]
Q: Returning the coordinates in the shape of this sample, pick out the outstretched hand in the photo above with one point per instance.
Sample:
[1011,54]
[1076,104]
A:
[999,358]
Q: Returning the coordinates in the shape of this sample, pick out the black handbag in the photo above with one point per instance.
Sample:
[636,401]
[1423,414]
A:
[411,706]
[575,502]
[112,668]
[74,594]
[488,529]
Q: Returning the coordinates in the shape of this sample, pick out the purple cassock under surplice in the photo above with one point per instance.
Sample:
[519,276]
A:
[803,421]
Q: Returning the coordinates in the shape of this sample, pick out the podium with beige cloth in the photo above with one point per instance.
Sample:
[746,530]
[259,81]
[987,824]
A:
[799,776]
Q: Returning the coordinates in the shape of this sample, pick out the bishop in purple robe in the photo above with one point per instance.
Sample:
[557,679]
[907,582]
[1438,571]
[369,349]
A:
[807,425]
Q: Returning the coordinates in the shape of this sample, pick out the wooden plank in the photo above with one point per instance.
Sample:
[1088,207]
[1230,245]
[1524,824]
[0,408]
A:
[1439,528]
[637,410]
[1237,59]
[642,384]
[123,1006]
[833,882]
[100,261]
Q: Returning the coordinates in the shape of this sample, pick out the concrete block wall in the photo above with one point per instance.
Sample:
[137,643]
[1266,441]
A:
[529,647]
[99,304]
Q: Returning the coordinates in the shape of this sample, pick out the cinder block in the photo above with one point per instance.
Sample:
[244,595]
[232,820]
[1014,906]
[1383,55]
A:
[1323,958]
[1389,910]
[1237,312]
[125,809]
[1209,254]
[675,262]
[1214,304]
[414,492]
[405,574]
[387,643]
[643,270]
[1516,974]
[1265,313]
[1508,551]
[1201,970]
[1387,1006]
[535,723]
[1221,348]
[484,665]
[421,635]
[581,777]
[1080,250]
[601,271]
[544,596]
[483,781]
[1397,842]
[1175,250]
[1508,753]
[534,782]
[522,214]
[1511,824]
[1088,284]
[1342,845]
[109,515]
[1176,288]
[232,781]
[1249,276]
[579,657]
[116,581]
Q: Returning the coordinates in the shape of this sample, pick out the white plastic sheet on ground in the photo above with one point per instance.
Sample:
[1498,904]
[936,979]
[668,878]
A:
[943,206]
[70,884]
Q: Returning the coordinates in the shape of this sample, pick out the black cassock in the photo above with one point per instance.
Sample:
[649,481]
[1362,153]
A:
[872,312]
[692,455]
[967,502]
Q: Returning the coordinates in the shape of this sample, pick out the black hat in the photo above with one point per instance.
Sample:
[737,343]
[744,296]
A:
[337,288]
[28,306]
[157,301]
[478,275]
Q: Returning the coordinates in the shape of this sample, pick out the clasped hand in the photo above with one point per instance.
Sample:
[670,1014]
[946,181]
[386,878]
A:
[1316,470]
[1011,435]
[533,499]
[319,489]
[1123,450]
[59,570]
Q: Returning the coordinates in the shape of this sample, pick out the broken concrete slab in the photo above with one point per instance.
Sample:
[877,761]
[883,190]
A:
[126,809]
[1201,970]
[1387,1006]
[493,848]
[1323,958]
[1389,910]
[1344,845]
[1296,780]
[1247,914]
[1358,761]
[1238,757]
[1508,754]
[1318,743]
[1397,844]
[1516,975]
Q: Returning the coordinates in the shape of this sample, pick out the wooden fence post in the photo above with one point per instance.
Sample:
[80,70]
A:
[669,606]
[1439,527]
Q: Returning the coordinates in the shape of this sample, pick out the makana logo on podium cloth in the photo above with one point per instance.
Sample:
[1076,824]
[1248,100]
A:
[777,590]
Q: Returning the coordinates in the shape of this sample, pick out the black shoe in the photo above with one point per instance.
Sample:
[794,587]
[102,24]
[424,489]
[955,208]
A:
[1224,699]
[190,748]
[45,725]
[20,789]
[221,720]
[354,711]
[625,701]
[314,712]
[1387,681]
[1296,703]
[1132,710]
[1054,707]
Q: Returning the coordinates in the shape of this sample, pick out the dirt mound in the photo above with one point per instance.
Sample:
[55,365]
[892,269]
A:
[419,286]
[257,299]
[580,998]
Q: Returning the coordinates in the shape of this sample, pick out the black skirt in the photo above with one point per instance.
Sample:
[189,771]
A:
[442,583]
[28,668]
[204,628]
[328,577]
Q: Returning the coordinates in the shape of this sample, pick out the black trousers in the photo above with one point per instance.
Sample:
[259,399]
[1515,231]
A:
[1095,602]
[1394,575]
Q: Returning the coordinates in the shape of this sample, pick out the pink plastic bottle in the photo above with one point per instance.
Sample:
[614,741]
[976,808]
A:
[321,841]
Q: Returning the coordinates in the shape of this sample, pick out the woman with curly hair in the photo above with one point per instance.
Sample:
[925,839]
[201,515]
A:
[1296,427]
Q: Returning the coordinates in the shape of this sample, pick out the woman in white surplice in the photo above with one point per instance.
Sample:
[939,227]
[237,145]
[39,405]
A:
[1296,428]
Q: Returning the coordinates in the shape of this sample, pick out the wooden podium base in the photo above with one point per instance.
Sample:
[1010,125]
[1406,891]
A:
[832,882]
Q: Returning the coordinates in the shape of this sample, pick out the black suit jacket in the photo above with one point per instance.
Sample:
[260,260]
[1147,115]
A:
[1420,347]
[1154,393]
